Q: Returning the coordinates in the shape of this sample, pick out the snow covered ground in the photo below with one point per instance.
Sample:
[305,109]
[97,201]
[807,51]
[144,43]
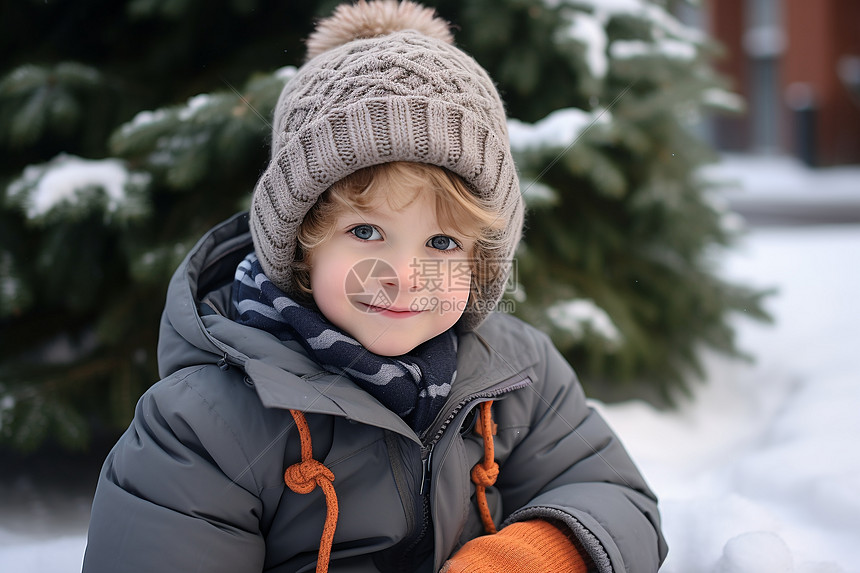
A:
[760,471]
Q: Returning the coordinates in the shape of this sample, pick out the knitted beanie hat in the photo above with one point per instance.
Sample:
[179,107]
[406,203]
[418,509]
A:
[383,82]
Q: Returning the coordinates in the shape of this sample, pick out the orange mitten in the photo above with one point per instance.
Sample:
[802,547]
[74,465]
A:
[522,547]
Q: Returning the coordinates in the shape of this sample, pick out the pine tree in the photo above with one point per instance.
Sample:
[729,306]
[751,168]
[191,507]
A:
[618,259]
[110,178]
[125,144]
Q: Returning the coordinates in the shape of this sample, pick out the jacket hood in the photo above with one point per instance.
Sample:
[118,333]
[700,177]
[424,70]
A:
[183,338]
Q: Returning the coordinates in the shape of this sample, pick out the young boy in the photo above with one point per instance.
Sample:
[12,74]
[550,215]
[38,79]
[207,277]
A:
[337,393]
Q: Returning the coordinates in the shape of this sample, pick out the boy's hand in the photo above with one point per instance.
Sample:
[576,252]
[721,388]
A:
[523,547]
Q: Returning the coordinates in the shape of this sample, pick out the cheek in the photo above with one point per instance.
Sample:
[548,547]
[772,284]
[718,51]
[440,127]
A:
[456,294]
[462,281]
[459,283]
[327,278]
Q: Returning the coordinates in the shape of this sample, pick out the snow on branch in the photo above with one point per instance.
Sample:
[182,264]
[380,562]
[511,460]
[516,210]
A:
[286,73]
[589,26]
[145,119]
[194,105]
[67,181]
[723,99]
[661,21]
[581,316]
[591,33]
[671,49]
[561,128]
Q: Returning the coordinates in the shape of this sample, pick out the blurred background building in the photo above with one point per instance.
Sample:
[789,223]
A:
[797,64]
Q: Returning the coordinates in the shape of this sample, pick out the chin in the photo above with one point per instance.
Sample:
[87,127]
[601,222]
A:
[386,348]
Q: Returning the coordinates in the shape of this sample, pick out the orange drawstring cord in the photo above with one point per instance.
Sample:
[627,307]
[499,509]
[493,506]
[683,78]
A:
[484,474]
[304,477]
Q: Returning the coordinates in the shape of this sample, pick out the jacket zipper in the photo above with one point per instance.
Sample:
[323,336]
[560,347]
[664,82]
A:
[484,394]
[427,465]
[406,561]
[427,470]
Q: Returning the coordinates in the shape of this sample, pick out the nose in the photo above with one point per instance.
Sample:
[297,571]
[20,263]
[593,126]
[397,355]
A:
[407,274]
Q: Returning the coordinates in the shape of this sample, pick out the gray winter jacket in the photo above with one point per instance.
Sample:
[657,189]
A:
[196,483]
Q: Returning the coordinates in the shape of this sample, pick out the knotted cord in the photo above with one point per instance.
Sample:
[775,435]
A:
[484,473]
[304,476]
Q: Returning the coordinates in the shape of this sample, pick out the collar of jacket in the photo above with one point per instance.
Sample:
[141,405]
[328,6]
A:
[490,362]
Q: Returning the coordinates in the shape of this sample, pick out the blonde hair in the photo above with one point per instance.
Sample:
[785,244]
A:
[457,209]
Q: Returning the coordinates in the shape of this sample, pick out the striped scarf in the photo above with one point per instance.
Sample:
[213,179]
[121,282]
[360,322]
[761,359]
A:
[414,386]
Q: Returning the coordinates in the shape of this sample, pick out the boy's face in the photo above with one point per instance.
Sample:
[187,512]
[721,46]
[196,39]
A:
[392,279]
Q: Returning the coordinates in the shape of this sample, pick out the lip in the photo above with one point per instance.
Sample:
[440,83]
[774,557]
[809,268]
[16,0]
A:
[391,311]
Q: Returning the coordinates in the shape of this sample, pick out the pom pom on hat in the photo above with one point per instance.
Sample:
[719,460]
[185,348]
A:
[371,19]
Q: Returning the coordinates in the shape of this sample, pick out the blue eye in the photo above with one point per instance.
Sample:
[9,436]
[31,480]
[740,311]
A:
[443,243]
[366,232]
